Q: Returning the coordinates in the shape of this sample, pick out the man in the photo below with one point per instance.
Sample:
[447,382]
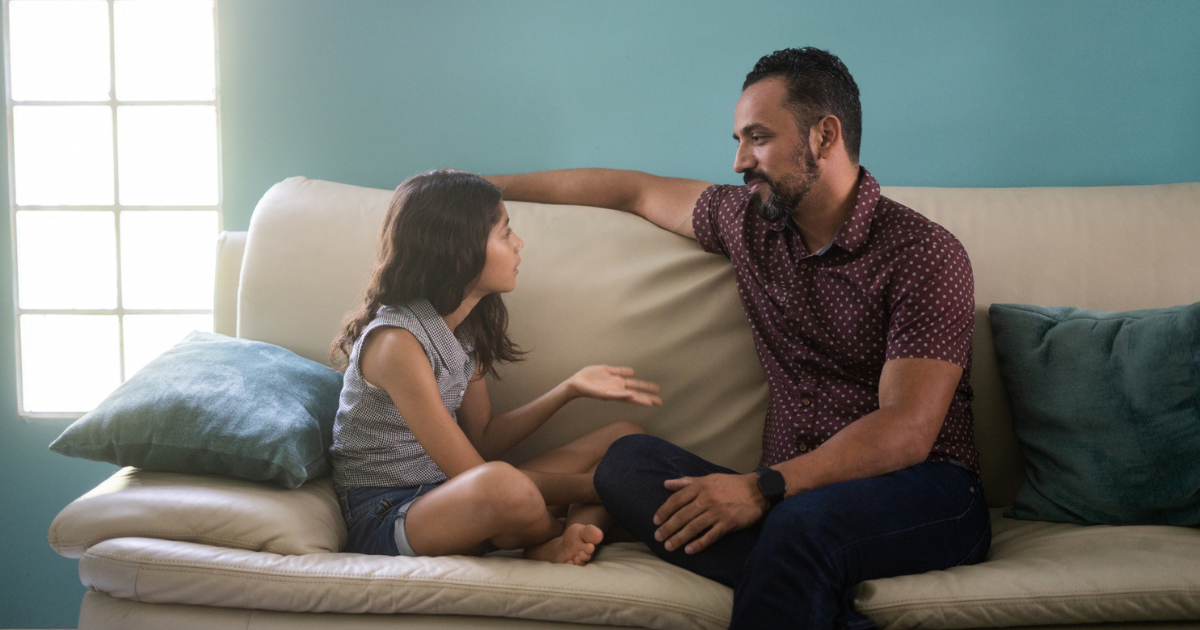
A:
[862,315]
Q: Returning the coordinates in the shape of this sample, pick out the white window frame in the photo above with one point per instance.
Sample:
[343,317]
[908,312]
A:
[117,208]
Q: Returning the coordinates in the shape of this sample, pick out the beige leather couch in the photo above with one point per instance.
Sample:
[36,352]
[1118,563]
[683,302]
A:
[178,551]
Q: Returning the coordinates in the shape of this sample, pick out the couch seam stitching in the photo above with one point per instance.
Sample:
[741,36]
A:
[159,535]
[292,576]
[1043,597]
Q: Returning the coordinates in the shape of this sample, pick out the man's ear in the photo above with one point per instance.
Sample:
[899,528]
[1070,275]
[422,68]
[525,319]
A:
[828,132]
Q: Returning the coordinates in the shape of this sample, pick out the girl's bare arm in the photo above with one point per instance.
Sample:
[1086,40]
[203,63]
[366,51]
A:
[394,360]
[494,435]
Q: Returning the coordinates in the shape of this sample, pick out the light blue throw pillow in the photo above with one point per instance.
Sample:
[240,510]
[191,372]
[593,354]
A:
[1106,407]
[215,404]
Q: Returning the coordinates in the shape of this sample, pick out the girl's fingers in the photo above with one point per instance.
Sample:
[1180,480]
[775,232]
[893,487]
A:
[645,386]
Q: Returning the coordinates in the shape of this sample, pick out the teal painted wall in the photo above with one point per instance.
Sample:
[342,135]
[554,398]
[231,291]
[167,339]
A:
[1067,93]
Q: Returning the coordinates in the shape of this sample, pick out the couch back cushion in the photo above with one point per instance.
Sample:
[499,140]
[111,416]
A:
[599,286]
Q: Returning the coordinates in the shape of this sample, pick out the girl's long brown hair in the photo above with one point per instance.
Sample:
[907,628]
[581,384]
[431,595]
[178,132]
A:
[434,245]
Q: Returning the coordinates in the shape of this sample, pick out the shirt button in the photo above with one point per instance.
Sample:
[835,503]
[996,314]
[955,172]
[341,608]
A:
[805,402]
[783,300]
[803,447]
[804,265]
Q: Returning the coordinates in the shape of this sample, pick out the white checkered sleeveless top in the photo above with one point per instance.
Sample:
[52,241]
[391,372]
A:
[372,446]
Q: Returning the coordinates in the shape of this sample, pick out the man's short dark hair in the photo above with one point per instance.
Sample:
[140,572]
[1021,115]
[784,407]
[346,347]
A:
[818,85]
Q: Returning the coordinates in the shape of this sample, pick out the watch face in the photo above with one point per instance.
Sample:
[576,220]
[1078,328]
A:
[771,483]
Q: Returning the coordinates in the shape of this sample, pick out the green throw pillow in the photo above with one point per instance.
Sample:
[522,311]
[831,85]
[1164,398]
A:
[1105,407]
[215,404]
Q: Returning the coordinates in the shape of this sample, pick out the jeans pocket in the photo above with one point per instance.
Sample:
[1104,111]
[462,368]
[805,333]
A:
[380,510]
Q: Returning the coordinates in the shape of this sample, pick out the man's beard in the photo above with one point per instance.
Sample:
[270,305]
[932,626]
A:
[787,193]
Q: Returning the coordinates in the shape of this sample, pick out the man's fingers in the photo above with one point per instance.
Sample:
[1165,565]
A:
[713,534]
[673,502]
[693,528]
[679,523]
[620,370]
[678,484]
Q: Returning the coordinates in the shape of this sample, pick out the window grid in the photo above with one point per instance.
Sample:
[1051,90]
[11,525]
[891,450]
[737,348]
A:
[116,208]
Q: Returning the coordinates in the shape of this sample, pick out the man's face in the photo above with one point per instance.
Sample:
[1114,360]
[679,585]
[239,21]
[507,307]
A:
[773,155]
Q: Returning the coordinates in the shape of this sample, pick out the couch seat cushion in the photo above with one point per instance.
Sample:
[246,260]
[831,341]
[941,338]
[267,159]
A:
[211,509]
[625,585]
[1050,573]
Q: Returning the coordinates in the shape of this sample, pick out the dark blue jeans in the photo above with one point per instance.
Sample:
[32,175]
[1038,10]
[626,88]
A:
[796,567]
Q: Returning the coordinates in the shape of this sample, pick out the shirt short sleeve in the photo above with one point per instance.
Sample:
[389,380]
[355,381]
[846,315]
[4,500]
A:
[708,216]
[933,304]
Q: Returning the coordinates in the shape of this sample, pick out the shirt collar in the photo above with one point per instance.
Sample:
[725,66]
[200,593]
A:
[854,232]
[857,228]
[440,333]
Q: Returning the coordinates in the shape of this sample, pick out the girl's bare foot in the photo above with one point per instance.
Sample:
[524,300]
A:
[575,546]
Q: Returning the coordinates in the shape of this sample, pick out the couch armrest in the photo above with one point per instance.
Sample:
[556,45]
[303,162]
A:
[230,248]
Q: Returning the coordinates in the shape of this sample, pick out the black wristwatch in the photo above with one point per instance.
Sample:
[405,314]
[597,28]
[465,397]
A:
[771,484]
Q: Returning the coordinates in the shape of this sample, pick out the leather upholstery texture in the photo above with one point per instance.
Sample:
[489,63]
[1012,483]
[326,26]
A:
[103,612]
[624,585]
[209,509]
[1036,573]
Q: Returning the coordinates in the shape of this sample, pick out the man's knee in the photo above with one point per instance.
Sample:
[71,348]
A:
[624,458]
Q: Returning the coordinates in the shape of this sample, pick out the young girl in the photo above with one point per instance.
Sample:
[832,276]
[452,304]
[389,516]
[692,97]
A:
[414,441]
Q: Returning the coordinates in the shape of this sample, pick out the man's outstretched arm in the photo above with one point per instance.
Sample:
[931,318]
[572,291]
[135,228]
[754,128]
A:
[664,201]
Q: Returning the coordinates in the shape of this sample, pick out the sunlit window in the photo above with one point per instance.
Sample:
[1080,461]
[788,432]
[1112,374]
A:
[114,184]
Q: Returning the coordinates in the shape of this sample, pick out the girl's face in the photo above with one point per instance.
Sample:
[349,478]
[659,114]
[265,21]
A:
[503,256]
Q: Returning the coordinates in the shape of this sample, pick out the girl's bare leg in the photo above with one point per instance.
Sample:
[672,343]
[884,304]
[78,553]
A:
[490,503]
[564,475]
[582,455]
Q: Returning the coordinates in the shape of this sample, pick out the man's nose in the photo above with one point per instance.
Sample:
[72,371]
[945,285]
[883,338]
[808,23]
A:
[743,160]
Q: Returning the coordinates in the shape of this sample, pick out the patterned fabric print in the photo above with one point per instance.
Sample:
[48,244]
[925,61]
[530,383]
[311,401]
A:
[372,446]
[892,285]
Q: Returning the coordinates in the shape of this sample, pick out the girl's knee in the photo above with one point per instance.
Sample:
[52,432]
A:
[508,493]
[621,428]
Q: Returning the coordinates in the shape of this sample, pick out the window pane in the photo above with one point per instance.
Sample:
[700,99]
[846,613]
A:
[69,362]
[147,336]
[165,50]
[168,259]
[63,155]
[66,259]
[168,155]
[59,50]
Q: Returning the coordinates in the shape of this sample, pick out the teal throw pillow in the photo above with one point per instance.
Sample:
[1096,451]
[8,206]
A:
[215,404]
[1105,407]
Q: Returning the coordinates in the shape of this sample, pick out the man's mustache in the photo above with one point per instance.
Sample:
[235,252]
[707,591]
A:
[747,176]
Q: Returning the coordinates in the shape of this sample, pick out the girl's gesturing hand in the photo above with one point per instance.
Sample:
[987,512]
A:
[614,383]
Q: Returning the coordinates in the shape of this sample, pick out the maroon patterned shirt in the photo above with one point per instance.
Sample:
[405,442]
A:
[891,285]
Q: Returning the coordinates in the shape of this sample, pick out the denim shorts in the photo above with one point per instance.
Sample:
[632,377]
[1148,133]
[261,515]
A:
[375,518]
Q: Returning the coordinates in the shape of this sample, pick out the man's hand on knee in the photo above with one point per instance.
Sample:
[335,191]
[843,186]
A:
[717,503]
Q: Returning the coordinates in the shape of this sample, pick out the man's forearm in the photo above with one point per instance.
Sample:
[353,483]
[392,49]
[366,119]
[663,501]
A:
[600,187]
[881,442]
